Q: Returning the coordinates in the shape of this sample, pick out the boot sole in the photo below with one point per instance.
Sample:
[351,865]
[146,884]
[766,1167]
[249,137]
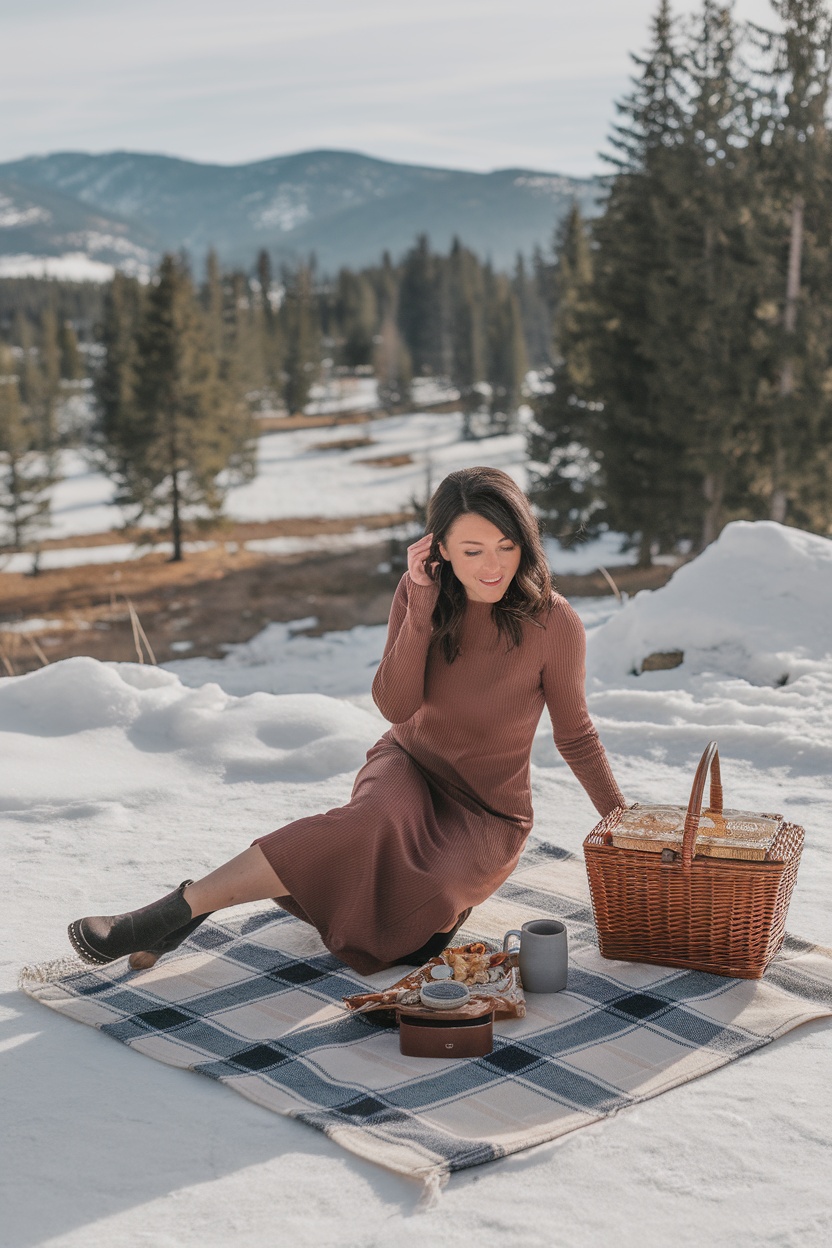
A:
[84,950]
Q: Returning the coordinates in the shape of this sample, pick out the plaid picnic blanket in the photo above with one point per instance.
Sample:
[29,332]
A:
[254,1000]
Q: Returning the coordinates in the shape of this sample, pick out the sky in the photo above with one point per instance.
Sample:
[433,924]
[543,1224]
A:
[468,84]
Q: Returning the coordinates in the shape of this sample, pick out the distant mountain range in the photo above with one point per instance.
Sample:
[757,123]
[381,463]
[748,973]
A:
[125,208]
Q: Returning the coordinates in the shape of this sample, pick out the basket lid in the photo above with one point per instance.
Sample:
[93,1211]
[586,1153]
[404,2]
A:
[740,829]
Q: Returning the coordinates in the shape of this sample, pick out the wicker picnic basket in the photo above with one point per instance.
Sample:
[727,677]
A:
[718,914]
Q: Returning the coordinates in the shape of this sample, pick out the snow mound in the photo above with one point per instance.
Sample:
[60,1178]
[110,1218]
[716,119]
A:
[278,660]
[755,605]
[76,695]
[294,737]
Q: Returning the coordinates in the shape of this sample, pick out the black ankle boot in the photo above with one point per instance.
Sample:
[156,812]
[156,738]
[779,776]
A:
[103,938]
[433,947]
[169,943]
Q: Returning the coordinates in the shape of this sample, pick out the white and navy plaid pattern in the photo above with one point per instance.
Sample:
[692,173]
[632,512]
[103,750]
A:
[254,1000]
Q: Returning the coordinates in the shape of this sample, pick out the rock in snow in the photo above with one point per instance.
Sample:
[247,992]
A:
[756,604]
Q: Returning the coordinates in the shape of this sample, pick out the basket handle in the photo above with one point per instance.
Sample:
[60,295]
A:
[709,762]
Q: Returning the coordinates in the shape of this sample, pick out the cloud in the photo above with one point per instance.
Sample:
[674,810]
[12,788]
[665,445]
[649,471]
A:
[480,83]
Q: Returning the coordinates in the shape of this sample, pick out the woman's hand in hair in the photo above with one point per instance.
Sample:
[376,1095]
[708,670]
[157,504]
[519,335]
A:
[417,554]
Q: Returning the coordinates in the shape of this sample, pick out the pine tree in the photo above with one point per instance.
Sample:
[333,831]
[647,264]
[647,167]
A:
[467,331]
[264,285]
[391,364]
[183,438]
[536,321]
[300,326]
[272,349]
[391,359]
[27,475]
[505,352]
[419,315]
[213,301]
[356,316]
[49,353]
[686,394]
[635,435]
[699,342]
[793,150]
[245,371]
[31,382]
[565,483]
[114,382]
[71,363]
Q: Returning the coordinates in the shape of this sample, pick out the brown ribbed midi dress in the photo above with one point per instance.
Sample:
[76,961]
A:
[441,810]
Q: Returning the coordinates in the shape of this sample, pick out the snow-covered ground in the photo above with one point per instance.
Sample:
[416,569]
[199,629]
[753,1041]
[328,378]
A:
[350,393]
[73,266]
[121,780]
[298,477]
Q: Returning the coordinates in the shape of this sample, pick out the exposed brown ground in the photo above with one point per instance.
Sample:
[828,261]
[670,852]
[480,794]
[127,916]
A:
[281,424]
[224,594]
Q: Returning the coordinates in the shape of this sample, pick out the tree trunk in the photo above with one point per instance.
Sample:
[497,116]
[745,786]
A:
[713,487]
[14,491]
[176,520]
[779,495]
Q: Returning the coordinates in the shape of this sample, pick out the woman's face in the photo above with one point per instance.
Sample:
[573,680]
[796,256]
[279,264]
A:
[482,557]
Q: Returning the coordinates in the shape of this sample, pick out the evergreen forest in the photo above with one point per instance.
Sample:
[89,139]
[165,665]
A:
[692,344]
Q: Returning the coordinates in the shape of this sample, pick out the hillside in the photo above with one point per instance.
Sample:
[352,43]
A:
[41,221]
[345,207]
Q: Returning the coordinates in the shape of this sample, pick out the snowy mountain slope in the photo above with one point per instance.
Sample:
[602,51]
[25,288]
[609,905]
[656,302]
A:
[344,206]
[39,221]
[120,781]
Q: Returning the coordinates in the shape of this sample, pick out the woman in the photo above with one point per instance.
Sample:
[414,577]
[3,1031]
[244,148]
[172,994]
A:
[477,643]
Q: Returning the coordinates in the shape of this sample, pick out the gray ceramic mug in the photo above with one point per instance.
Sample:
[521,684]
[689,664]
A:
[544,959]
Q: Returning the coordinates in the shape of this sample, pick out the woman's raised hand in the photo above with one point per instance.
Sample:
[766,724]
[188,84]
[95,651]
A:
[416,556]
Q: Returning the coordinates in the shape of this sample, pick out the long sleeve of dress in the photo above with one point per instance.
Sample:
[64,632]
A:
[564,681]
[399,684]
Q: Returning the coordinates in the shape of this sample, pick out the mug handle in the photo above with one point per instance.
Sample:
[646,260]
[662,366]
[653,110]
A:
[508,936]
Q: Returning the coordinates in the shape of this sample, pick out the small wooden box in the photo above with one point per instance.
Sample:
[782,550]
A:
[444,1033]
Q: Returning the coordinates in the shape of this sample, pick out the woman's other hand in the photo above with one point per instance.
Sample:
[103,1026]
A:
[416,556]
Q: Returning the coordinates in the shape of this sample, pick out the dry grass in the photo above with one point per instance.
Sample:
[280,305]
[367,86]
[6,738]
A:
[225,594]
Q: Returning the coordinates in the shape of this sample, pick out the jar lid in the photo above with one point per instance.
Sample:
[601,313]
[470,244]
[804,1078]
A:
[442,971]
[444,995]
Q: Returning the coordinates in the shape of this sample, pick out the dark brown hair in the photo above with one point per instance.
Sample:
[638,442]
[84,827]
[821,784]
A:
[492,494]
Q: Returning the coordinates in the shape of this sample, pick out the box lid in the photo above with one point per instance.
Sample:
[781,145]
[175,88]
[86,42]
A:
[657,827]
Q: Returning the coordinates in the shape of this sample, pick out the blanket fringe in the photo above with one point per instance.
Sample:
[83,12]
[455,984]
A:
[48,972]
[432,1188]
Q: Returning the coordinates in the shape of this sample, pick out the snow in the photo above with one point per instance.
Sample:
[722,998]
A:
[583,557]
[766,630]
[281,659]
[13,217]
[77,556]
[73,266]
[120,780]
[299,477]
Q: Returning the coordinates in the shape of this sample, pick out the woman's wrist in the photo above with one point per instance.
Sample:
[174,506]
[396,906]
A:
[431,589]
[421,599]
